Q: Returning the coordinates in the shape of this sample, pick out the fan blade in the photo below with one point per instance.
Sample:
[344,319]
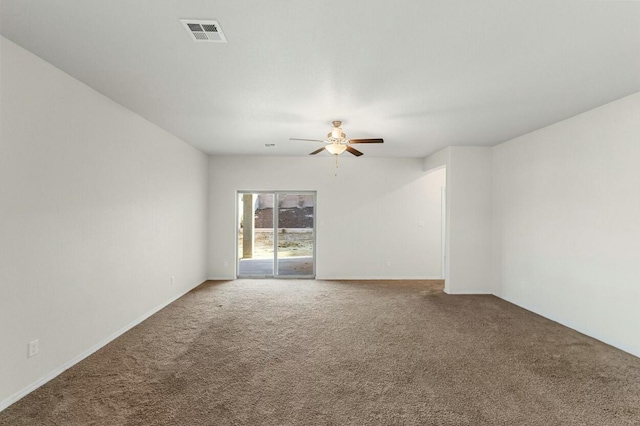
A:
[317,151]
[310,140]
[353,151]
[366,140]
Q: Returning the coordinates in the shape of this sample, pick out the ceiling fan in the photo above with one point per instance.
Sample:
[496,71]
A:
[337,142]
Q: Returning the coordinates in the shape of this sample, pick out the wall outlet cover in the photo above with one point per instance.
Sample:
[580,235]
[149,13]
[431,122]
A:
[33,348]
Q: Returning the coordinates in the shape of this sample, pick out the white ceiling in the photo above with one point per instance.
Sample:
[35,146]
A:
[421,74]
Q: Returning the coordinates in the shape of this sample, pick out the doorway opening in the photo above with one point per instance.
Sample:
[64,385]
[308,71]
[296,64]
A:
[276,234]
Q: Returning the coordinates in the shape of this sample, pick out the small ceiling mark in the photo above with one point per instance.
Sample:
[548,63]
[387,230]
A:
[270,145]
[204,30]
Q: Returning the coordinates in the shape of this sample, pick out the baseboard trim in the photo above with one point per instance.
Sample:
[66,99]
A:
[56,372]
[470,292]
[376,278]
[576,327]
[358,278]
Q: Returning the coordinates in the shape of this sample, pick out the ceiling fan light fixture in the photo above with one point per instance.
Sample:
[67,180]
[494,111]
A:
[336,149]
[337,142]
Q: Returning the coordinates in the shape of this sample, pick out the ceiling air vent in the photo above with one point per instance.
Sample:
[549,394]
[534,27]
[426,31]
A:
[207,31]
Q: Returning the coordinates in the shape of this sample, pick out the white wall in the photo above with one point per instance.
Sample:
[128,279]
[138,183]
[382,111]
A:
[435,184]
[366,216]
[567,222]
[468,239]
[98,209]
[469,211]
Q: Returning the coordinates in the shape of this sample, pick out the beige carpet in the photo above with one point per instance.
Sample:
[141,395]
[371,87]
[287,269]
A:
[341,353]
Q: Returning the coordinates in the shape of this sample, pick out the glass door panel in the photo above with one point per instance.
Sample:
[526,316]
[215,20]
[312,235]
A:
[276,234]
[256,254]
[295,237]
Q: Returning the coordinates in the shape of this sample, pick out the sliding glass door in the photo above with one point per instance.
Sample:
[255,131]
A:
[276,234]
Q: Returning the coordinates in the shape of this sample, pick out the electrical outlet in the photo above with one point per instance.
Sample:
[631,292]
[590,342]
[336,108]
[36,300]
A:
[226,263]
[34,348]
[172,279]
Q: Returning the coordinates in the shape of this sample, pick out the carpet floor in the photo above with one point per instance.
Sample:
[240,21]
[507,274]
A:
[305,352]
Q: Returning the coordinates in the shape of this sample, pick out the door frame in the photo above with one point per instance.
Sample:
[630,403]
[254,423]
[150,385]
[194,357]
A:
[276,208]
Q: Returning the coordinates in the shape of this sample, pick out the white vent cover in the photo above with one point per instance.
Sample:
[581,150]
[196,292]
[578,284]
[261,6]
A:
[207,31]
